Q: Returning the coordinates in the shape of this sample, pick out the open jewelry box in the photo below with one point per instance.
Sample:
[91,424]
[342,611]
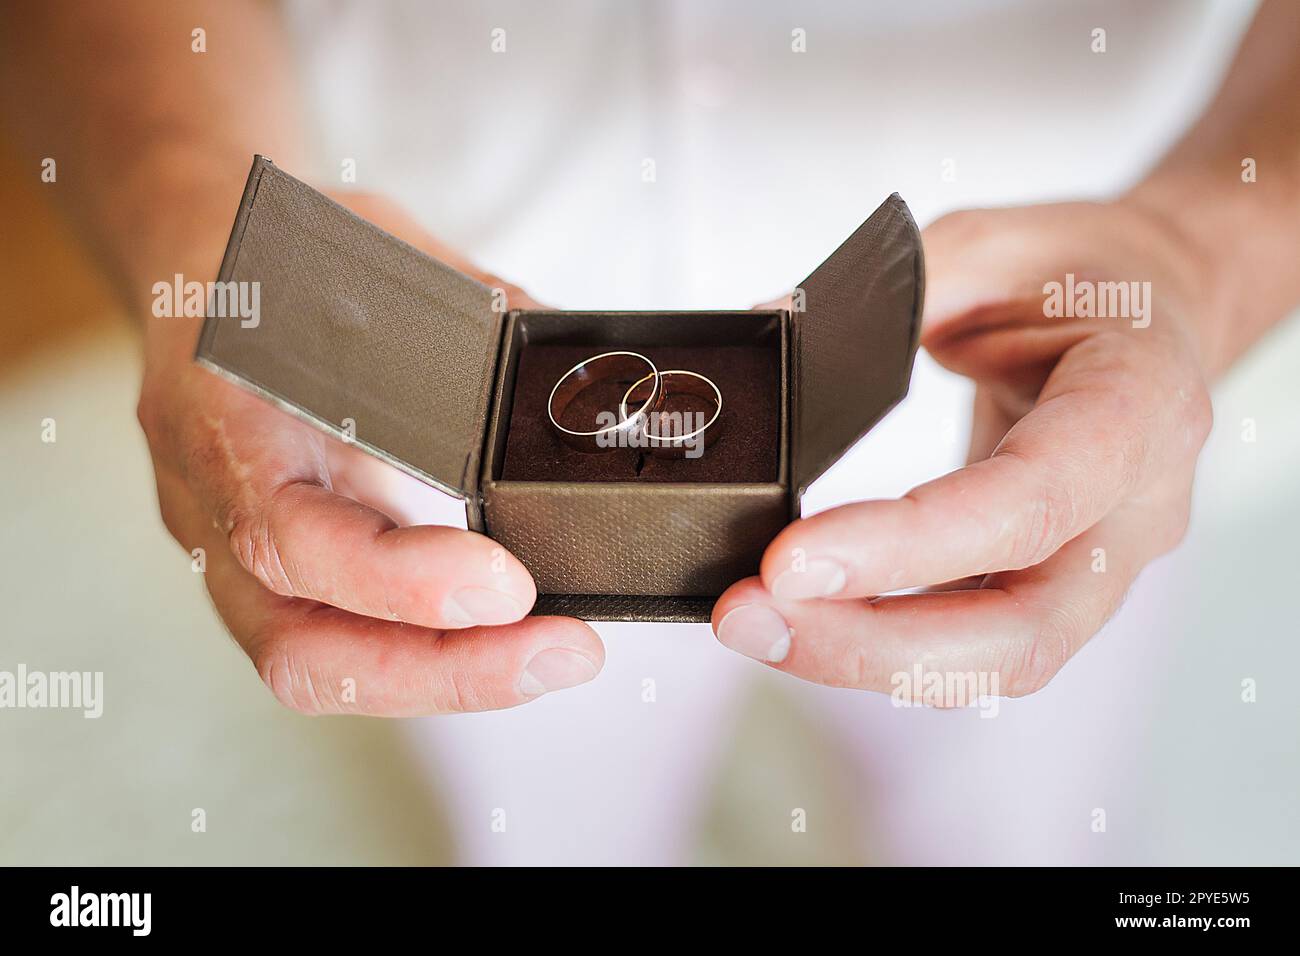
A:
[423,366]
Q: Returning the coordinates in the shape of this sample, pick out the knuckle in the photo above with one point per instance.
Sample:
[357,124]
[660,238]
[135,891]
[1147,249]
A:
[1032,664]
[290,679]
[856,662]
[1050,518]
[854,667]
[461,694]
[254,544]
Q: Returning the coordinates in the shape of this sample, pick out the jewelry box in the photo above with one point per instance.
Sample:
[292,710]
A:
[377,343]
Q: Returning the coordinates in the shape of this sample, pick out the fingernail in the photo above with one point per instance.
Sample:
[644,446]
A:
[818,578]
[756,631]
[555,669]
[470,606]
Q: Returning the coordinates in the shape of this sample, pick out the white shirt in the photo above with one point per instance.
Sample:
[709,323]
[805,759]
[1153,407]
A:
[688,155]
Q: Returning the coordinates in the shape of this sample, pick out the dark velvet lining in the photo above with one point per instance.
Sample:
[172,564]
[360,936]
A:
[746,449]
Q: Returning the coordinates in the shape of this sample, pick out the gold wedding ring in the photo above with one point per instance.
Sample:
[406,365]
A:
[607,366]
[666,433]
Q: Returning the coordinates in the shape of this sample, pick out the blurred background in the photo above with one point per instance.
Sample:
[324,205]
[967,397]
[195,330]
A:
[760,172]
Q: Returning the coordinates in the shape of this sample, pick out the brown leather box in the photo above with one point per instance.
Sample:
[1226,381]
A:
[417,363]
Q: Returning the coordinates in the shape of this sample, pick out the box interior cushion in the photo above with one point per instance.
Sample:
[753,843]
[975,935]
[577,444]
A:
[747,448]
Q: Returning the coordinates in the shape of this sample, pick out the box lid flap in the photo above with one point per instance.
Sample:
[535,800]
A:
[855,335]
[358,332]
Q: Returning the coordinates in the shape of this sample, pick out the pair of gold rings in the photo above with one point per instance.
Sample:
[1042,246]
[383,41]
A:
[642,419]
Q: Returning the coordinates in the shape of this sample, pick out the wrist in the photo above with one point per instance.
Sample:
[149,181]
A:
[178,223]
[1241,242]
[1198,283]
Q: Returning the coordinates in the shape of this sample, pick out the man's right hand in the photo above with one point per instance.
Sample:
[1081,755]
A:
[339,608]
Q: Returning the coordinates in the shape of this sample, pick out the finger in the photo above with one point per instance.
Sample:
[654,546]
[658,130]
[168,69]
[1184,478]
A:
[300,539]
[990,421]
[1018,630]
[322,660]
[989,425]
[782,303]
[986,267]
[396,220]
[304,541]
[977,258]
[516,298]
[1104,427]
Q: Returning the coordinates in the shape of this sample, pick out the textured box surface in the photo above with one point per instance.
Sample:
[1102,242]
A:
[639,535]
[362,334]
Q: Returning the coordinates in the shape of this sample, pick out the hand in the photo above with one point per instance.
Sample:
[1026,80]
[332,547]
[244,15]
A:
[1085,437]
[341,610]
